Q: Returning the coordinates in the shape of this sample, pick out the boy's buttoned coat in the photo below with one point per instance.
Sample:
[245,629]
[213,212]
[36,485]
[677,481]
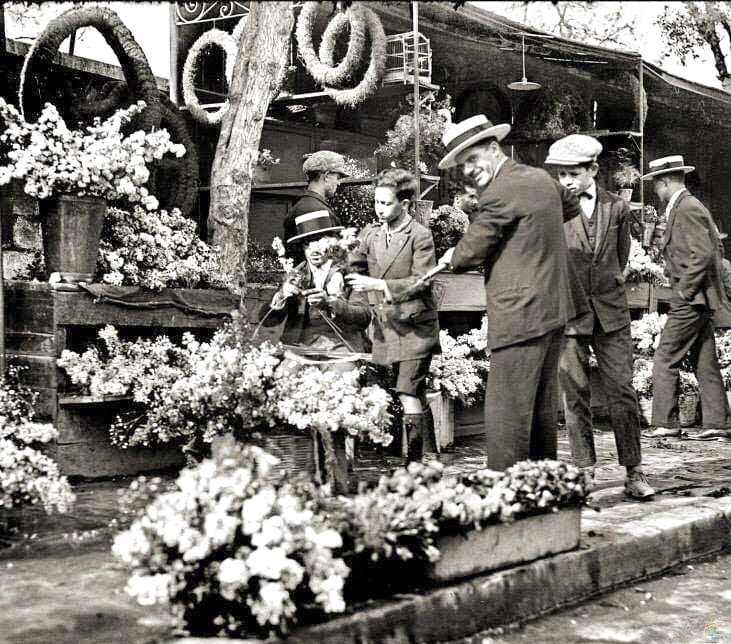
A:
[407,326]
[599,270]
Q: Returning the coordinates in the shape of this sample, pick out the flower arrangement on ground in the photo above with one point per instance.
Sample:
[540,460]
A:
[400,518]
[27,476]
[642,378]
[155,250]
[232,552]
[461,369]
[99,161]
[642,267]
[235,552]
[646,333]
[447,226]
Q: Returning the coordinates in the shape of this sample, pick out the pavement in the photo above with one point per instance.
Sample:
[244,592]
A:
[622,542]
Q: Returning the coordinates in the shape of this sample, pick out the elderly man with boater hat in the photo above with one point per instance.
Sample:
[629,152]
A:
[598,244]
[323,170]
[517,235]
[691,247]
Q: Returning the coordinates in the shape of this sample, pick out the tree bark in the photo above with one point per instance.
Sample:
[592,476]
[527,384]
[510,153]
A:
[260,66]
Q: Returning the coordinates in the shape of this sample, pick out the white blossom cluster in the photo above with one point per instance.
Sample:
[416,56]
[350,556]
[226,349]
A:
[156,250]
[641,267]
[232,551]
[27,476]
[99,161]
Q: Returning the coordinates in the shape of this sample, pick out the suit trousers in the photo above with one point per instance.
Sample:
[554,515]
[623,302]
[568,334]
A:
[688,331]
[613,352]
[521,401]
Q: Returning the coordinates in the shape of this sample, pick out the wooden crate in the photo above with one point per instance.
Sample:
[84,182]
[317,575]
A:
[43,320]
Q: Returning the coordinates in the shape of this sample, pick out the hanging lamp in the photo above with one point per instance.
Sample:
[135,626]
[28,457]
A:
[524,85]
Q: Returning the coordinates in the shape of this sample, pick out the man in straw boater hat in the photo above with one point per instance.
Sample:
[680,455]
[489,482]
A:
[598,244]
[691,247]
[517,235]
[323,170]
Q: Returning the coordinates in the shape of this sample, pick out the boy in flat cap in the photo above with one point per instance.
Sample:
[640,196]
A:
[598,244]
[323,170]
[691,248]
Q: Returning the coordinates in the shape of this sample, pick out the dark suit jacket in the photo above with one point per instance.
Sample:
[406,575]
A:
[407,327]
[518,235]
[599,269]
[692,258]
[352,315]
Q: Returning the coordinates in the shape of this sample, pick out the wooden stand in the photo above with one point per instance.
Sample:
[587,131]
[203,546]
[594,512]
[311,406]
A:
[42,321]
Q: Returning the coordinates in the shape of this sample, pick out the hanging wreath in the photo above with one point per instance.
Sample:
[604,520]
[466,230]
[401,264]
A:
[230,45]
[131,57]
[368,86]
[322,67]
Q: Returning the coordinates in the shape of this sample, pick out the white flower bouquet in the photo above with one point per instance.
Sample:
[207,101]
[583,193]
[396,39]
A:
[27,476]
[646,333]
[233,553]
[156,250]
[641,267]
[99,161]
[642,378]
[460,370]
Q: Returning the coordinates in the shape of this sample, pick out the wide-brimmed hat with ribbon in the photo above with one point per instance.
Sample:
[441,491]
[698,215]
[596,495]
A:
[665,165]
[311,225]
[460,136]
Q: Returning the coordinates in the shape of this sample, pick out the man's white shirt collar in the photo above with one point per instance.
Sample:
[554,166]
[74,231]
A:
[673,199]
[319,274]
[588,205]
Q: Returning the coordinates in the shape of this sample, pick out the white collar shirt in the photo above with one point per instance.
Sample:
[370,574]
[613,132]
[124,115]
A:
[587,199]
[673,200]
[391,233]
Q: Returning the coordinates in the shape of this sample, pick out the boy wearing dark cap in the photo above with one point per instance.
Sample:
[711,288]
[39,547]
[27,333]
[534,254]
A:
[598,245]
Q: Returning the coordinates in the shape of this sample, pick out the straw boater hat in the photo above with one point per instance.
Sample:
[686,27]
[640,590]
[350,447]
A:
[665,165]
[313,224]
[460,136]
[572,150]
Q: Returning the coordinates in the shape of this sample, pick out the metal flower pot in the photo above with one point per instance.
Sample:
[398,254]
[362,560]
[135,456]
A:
[71,228]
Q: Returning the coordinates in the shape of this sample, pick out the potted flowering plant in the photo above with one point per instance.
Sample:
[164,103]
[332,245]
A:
[626,175]
[74,173]
[265,161]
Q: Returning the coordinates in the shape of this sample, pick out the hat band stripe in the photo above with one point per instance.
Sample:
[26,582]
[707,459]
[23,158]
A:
[667,166]
[313,224]
[468,134]
[315,214]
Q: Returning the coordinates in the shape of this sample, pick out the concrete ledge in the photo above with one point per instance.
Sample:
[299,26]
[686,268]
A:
[621,544]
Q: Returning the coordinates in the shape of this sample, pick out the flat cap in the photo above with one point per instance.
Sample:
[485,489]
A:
[574,149]
[325,161]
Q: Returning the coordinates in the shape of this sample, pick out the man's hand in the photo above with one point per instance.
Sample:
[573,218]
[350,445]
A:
[360,283]
[289,289]
[447,257]
[316,297]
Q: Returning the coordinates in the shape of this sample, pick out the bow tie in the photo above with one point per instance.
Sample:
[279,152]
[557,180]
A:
[586,195]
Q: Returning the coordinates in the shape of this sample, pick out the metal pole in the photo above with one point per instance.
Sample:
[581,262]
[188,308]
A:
[417,173]
[173,75]
[2,291]
[642,142]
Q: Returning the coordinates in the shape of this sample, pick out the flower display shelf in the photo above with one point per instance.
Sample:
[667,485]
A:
[504,545]
[41,321]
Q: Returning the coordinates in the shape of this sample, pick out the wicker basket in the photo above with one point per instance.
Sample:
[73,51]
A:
[686,409]
[295,451]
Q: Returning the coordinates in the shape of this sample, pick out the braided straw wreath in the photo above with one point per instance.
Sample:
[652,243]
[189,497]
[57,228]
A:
[322,69]
[230,44]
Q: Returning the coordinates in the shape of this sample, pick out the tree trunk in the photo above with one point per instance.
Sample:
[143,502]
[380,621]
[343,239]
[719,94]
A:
[260,66]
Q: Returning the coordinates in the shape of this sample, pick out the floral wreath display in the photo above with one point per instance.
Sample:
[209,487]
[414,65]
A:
[230,45]
[322,67]
[131,57]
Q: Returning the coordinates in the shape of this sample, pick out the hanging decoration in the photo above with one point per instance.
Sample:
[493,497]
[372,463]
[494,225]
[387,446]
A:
[323,69]
[230,45]
[131,57]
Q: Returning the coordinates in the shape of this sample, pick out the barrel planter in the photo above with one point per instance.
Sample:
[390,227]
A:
[505,544]
[71,228]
